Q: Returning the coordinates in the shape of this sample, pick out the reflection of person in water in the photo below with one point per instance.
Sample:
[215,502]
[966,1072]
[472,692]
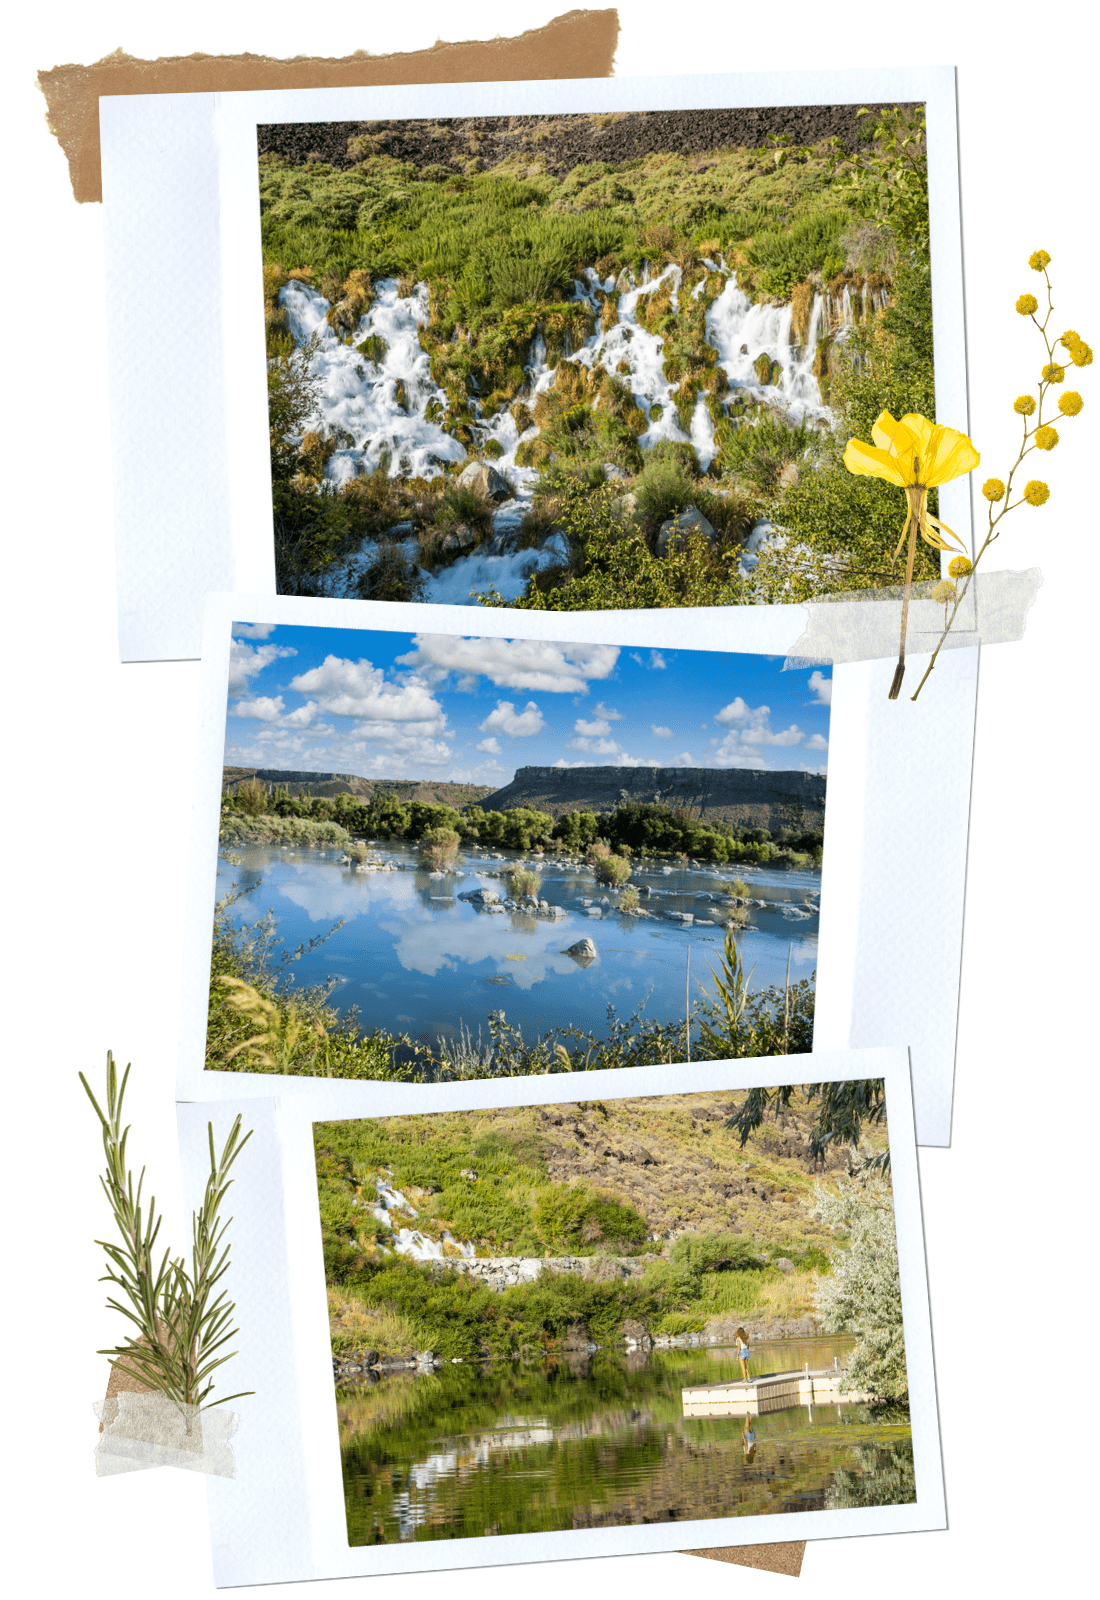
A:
[748,1441]
[743,1352]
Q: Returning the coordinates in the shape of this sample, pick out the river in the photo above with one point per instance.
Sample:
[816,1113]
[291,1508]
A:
[415,957]
[603,1442]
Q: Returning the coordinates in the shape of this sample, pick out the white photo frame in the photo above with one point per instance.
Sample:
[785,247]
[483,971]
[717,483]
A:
[282,1517]
[894,868]
[182,209]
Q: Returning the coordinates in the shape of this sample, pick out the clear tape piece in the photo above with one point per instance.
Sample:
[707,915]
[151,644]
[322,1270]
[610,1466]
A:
[150,1430]
[866,624]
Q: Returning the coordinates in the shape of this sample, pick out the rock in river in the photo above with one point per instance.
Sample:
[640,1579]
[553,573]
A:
[584,950]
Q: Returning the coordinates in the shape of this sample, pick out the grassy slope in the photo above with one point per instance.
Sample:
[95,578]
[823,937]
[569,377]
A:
[670,1160]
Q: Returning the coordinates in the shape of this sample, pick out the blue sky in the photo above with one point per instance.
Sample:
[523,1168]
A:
[423,705]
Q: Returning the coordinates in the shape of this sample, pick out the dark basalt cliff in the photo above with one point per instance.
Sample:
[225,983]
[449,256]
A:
[770,800]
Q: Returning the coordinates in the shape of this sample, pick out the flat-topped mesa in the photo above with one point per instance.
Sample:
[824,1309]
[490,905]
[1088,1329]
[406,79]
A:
[771,800]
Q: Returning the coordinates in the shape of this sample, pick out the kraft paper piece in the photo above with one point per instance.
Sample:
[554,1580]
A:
[578,44]
[784,1558]
[139,1430]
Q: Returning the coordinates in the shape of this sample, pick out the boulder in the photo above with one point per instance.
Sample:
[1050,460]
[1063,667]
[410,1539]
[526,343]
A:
[583,950]
[399,530]
[784,1264]
[610,470]
[676,528]
[484,480]
[461,537]
[624,505]
[481,897]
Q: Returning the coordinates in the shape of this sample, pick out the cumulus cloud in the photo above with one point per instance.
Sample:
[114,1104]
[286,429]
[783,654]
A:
[660,733]
[608,713]
[245,662]
[822,688]
[759,734]
[657,660]
[512,723]
[737,711]
[491,747]
[599,727]
[596,747]
[817,742]
[253,630]
[262,707]
[359,690]
[532,664]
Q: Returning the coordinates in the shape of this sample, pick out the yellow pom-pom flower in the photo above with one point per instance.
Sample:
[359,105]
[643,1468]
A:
[1046,438]
[1081,354]
[1023,405]
[1026,304]
[944,592]
[1053,373]
[1037,260]
[993,489]
[959,566]
[1070,403]
[1036,493]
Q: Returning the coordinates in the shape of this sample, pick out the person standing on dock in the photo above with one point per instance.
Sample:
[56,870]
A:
[743,1352]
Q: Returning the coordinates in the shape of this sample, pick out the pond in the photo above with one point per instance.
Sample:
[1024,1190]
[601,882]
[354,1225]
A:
[510,1448]
[415,957]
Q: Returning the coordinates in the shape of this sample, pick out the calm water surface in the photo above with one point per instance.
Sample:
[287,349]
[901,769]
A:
[415,958]
[524,1449]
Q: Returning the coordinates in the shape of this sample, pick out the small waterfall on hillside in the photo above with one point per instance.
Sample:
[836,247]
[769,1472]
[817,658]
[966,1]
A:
[374,402]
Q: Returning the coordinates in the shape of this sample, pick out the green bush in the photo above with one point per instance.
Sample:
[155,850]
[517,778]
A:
[438,848]
[574,1220]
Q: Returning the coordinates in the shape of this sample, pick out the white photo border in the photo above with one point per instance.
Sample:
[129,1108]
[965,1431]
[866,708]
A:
[180,185]
[896,820]
[288,1436]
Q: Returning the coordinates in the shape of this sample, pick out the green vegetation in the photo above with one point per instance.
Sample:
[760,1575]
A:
[657,1238]
[863,1293]
[181,1322]
[636,828]
[499,248]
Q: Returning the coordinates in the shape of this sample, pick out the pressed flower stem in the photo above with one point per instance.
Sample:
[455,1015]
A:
[914,527]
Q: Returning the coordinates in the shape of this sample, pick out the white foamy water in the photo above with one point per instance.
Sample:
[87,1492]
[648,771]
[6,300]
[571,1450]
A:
[410,1241]
[359,402]
[360,397]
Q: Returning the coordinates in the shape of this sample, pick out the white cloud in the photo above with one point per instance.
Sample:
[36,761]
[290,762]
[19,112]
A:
[729,754]
[491,747]
[608,713]
[817,742]
[532,664]
[245,662]
[303,716]
[822,687]
[738,711]
[359,690]
[661,733]
[252,630]
[515,724]
[262,707]
[596,747]
[657,660]
[595,729]
[759,734]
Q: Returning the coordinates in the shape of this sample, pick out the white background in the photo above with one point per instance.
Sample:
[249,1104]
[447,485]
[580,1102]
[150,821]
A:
[98,790]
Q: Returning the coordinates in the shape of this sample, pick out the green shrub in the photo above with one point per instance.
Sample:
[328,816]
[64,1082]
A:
[438,848]
[613,870]
[574,1220]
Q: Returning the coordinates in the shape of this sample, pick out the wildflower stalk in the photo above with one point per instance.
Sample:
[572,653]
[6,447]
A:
[1034,438]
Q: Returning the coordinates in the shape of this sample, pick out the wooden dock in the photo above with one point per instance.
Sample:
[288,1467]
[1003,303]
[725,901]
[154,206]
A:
[774,1391]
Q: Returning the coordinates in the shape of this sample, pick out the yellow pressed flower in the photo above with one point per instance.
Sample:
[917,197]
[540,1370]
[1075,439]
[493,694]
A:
[993,489]
[1071,336]
[1053,373]
[1070,403]
[1046,438]
[1026,304]
[916,455]
[959,566]
[1036,492]
[1082,354]
[944,591]
[1024,405]
[1037,260]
